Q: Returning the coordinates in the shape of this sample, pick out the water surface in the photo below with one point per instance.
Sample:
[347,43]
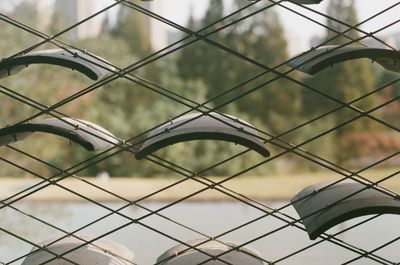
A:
[211,219]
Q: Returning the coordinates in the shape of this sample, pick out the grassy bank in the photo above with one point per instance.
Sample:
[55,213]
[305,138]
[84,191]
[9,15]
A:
[267,188]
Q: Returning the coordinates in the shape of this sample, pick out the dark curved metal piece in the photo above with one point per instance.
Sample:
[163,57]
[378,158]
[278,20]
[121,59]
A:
[213,126]
[312,62]
[321,206]
[87,134]
[183,255]
[92,66]
[306,2]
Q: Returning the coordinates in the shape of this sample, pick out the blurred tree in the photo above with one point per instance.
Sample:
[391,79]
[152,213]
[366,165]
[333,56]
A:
[202,60]
[42,83]
[195,155]
[131,26]
[26,12]
[128,109]
[136,109]
[391,112]
[187,59]
[345,81]
[57,23]
[345,12]
[259,37]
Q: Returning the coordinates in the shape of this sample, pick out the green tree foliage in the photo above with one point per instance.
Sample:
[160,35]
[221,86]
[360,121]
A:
[345,12]
[127,108]
[261,38]
[44,84]
[132,116]
[132,27]
[195,155]
[345,81]
[136,109]
[202,60]
[57,23]
[186,61]
[391,113]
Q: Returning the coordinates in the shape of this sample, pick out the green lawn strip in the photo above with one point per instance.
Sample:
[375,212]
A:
[280,187]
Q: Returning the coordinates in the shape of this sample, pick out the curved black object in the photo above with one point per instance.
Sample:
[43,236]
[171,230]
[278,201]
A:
[312,62]
[182,254]
[213,126]
[87,134]
[306,2]
[92,66]
[321,207]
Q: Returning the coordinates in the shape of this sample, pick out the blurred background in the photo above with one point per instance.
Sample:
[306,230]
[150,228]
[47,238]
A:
[201,71]
[105,198]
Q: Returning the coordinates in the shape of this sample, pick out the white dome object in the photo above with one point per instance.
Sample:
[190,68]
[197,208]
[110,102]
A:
[99,252]
[183,255]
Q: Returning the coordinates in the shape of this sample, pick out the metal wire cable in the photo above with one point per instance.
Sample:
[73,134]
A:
[296,149]
[350,27]
[293,223]
[44,248]
[372,251]
[373,118]
[378,107]
[130,203]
